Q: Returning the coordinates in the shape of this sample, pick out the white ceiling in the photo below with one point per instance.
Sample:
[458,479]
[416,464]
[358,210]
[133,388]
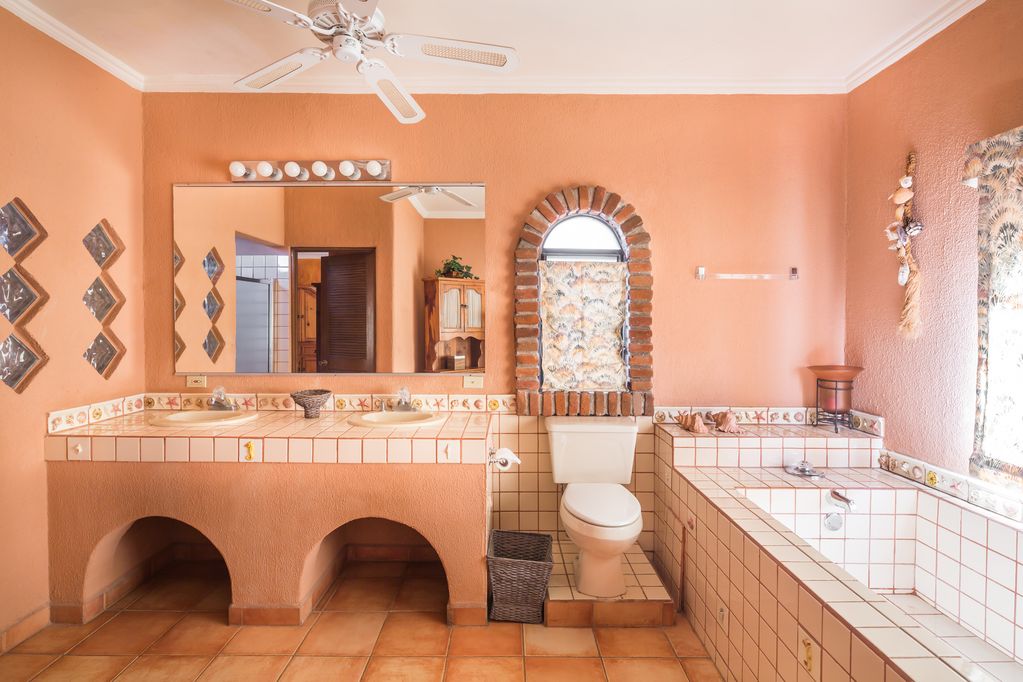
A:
[588,46]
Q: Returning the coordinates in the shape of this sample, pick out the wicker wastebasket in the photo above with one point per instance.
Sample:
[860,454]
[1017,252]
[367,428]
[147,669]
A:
[520,568]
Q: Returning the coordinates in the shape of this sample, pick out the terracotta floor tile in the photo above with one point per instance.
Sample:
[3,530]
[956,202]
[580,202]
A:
[364,594]
[390,669]
[564,670]
[374,569]
[217,600]
[413,634]
[245,668]
[129,632]
[508,669]
[633,642]
[268,640]
[542,641]
[85,668]
[196,633]
[700,670]
[343,634]
[425,569]
[422,594]
[56,639]
[646,669]
[316,668]
[164,668]
[684,640]
[174,595]
[17,667]
[494,639]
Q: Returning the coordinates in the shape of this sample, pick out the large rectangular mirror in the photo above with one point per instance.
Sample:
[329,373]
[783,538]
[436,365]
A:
[329,279]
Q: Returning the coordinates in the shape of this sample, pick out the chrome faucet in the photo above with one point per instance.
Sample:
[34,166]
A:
[404,402]
[219,400]
[842,502]
[806,470]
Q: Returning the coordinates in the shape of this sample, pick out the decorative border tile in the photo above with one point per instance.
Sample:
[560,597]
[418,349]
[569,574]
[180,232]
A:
[163,401]
[135,403]
[71,418]
[502,403]
[278,401]
[353,403]
[106,410]
[870,423]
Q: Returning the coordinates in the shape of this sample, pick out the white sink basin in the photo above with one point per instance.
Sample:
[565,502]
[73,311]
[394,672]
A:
[395,419]
[203,418]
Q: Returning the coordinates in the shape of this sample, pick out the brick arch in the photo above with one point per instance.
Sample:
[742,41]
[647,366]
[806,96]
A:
[555,207]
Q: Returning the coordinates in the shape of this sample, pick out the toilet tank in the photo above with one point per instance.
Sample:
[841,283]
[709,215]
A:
[592,449]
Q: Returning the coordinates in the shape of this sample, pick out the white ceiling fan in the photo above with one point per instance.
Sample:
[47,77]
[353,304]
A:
[349,30]
[414,190]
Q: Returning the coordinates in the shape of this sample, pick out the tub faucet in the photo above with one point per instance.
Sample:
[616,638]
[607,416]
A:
[842,502]
[805,469]
[219,401]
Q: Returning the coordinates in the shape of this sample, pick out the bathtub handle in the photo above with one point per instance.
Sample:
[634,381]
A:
[840,500]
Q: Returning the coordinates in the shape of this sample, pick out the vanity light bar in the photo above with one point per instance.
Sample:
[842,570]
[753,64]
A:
[338,171]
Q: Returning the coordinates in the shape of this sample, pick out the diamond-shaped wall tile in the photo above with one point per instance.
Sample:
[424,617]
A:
[102,244]
[176,258]
[20,358]
[104,353]
[213,305]
[179,346]
[20,232]
[213,265]
[213,344]
[20,295]
[179,302]
[103,299]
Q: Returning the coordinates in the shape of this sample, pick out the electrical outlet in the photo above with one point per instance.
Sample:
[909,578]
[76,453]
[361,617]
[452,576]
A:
[195,381]
[472,381]
[722,616]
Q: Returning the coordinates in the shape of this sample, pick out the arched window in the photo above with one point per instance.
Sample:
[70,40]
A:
[583,238]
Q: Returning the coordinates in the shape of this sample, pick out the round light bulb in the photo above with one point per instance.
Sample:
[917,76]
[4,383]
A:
[374,168]
[349,170]
[293,170]
[239,169]
[265,169]
[320,169]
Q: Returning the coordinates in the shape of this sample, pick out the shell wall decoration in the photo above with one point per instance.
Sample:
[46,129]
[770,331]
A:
[900,234]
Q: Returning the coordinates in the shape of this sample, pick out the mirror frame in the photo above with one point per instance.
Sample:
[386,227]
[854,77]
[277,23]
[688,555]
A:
[530,397]
[310,183]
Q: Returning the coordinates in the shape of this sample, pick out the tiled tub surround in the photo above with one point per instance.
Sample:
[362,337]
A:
[282,436]
[765,602]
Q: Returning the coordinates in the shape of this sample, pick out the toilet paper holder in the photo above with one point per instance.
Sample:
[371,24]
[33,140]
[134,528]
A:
[503,458]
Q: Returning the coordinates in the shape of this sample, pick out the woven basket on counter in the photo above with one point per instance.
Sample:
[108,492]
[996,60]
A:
[520,568]
[311,401]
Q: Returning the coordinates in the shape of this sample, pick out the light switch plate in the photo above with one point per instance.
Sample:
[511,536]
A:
[195,381]
[472,381]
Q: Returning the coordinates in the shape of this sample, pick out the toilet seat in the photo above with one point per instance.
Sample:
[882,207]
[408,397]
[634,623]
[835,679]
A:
[608,505]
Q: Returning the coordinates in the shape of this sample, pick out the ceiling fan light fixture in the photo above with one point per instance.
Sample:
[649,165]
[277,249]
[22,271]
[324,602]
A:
[271,77]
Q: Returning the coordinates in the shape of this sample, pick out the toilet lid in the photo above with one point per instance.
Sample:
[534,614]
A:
[602,504]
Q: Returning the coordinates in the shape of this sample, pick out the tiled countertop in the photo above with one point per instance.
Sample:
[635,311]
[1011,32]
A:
[276,436]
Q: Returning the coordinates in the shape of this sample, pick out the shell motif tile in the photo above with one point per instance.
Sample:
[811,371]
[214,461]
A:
[163,401]
[275,401]
[71,418]
[467,403]
[502,403]
[135,403]
[787,415]
[106,410]
[430,402]
[353,403]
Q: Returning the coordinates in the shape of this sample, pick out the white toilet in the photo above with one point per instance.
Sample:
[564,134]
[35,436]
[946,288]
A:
[594,456]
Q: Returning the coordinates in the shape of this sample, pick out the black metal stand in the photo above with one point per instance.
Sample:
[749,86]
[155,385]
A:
[835,418]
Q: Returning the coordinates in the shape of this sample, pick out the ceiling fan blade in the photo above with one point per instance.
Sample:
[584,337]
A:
[457,197]
[283,69]
[388,89]
[359,8]
[275,11]
[400,194]
[447,51]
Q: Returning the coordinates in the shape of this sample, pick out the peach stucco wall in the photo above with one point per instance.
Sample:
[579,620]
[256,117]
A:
[266,550]
[72,150]
[963,85]
[738,183]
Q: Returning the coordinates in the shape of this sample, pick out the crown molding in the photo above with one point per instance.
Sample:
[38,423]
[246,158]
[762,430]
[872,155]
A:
[945,16]
[949,13]
[63,34]
[511,85]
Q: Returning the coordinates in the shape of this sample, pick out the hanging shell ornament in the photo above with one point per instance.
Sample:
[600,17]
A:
[906,181]
[902,195]
[900,234]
